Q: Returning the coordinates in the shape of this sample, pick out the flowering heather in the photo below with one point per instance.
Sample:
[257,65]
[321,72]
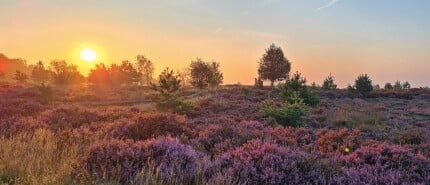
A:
[338,141]
[69,117]
[258,162]
[126,158]
[10,108]
[149,125]
[388,160]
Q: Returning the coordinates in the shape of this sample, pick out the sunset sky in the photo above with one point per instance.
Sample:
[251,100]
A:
[387,39]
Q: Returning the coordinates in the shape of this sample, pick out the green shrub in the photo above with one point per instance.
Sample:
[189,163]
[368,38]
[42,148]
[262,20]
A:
[296,85]
[329,84]
[363,85]
[388,86]
[288,114]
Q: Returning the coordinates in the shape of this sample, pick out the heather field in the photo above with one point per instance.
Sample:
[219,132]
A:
[232,134]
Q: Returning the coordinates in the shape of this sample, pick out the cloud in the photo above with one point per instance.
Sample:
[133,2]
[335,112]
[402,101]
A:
[328,5]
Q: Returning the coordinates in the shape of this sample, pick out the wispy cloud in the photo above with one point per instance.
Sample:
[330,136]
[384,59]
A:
[328,5]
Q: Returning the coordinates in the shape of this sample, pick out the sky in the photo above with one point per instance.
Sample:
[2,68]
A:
[389,40]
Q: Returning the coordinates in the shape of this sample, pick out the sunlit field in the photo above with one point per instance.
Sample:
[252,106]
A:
[187,92]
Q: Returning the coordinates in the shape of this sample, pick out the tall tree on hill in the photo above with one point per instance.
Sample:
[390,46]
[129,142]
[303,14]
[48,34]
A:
[204,74]
[273,65]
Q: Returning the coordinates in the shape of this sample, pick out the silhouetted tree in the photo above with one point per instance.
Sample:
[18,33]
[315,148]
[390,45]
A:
[406,85]
[39,73]
[273,65]
[65,74]
[216,76]
[398,85]
[130,73]
[204,74]
[328,83]
[184,76]
[145,68]
[388,86]
[100,75]
[20,77]
[168,82]
[363,85]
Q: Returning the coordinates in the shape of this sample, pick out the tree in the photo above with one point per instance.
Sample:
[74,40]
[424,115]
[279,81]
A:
[328,83]
[39,73]
[398,85]
[65,74]
[168,84]
[20,77]
[273,65]
[406,85]
[258,82]
[100,75]
[216,76]
[388,86]
[145,68]
[363,85]
[204,74]
[131,75]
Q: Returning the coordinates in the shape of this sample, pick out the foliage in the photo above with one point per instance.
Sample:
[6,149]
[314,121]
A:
[39,73]
[20,77]
[146,68]
[296,85]
[273,65]
[258,82]
[289,114]
[204,74]
[168,85]
[46,94]
[363,85]
[388,86]
[329,84]
[100,75]
[65,74]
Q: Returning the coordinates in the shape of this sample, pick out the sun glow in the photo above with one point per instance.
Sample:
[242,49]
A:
[88,55]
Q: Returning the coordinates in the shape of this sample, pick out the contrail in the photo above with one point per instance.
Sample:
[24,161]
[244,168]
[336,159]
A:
[331,3]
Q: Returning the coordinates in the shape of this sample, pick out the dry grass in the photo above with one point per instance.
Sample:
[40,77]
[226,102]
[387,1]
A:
[36,158]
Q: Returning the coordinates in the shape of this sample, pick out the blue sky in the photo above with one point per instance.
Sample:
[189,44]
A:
[387,39]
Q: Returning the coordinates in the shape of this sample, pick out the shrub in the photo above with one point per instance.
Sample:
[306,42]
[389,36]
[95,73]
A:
[289,114]
[20,77]
[64,118]
[398,86]
[363,85]
[329,84]
[124,159]
[46,95]
[296,85]
[388,86]
[258,162]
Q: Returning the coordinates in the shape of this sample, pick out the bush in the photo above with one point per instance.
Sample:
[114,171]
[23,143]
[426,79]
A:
[329,84]
[342,141]
[289,114]
[296,85]
[388,86]
[363,85]
[122,160]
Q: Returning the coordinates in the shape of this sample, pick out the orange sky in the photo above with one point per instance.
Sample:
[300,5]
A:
[318,40]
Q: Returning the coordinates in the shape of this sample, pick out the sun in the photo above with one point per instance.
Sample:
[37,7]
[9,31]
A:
[88,55]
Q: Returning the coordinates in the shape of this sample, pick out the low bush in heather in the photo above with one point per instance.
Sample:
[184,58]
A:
[123,160]
[289,114]
[149,125]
